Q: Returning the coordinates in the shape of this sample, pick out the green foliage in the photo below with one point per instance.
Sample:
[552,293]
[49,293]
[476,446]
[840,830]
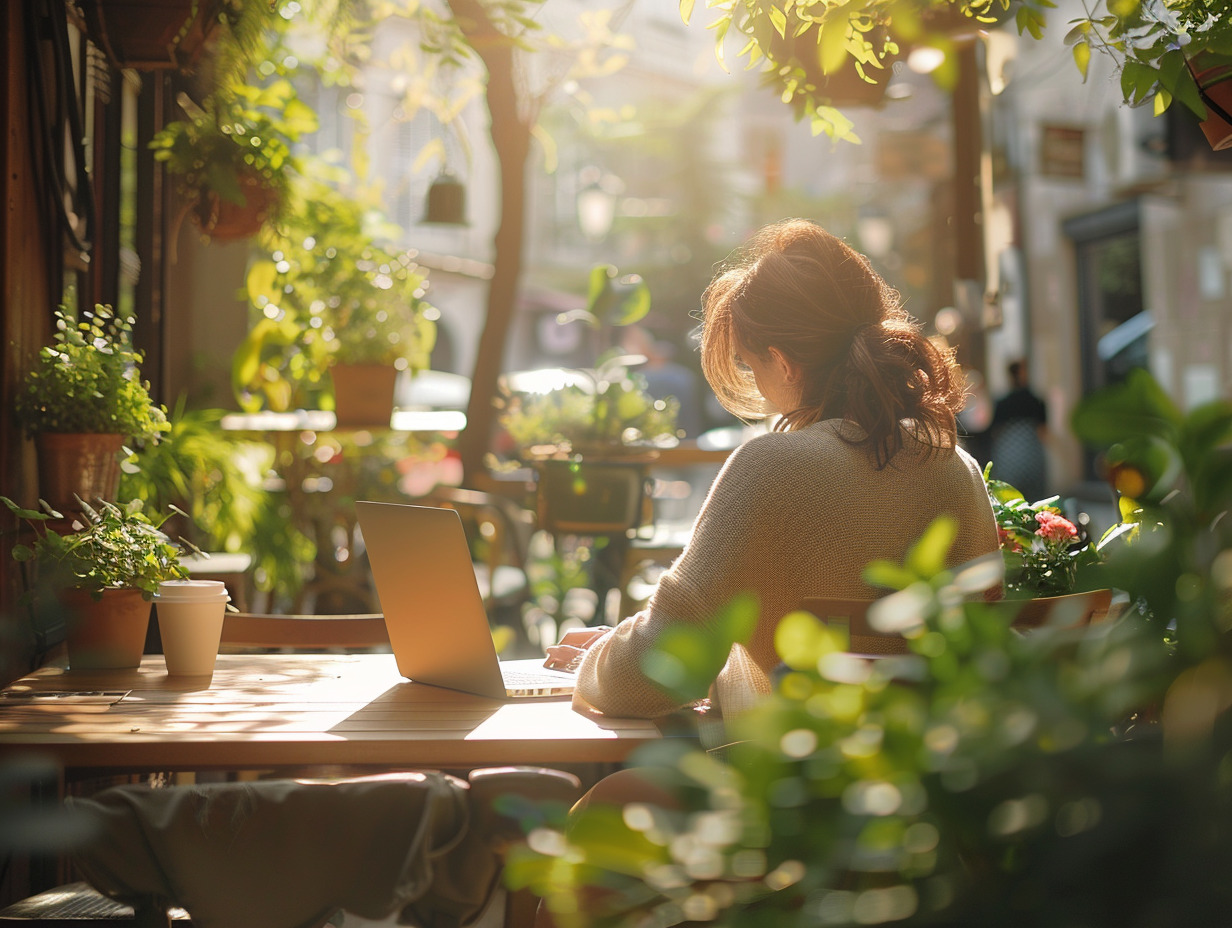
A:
[117,547]
[933,788]
[1041,548]
[612,299]
[1174,473]
[88,380]
[612,411]
[329,291]
[686,661]
[1157,45]
[988,777]
[611,408]
[802,46]
[241,130]
[205,472]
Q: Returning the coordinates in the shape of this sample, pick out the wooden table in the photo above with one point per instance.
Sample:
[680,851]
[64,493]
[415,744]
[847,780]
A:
[287,710]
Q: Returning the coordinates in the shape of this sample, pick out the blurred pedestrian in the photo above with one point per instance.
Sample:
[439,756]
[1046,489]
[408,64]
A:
[665,376]
[1018,430]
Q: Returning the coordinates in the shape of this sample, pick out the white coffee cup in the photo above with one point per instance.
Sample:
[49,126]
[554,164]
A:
[190,615]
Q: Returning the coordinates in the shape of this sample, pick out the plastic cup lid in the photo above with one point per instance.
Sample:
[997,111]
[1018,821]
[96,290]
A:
[195,591]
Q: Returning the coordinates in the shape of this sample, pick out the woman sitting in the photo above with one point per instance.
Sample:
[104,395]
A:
[863,457]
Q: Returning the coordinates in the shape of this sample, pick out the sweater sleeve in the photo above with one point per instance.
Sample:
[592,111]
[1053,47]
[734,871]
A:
[713,568]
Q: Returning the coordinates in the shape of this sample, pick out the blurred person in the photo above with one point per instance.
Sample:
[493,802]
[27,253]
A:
[974,418]
[665,377]
[1016,436]
[864,456]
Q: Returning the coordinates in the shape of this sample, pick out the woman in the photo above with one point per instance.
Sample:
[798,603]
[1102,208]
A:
[862,459]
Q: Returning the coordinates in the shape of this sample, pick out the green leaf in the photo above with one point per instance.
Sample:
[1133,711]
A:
[600,281]
[802,639]
[1136,407]
[737,621]
[686,11]
[1163,100]
[832,52]
[1137,79]
[928,555]
[889,575]
[261,283]
[779,20]
[1082,58]
[632,301]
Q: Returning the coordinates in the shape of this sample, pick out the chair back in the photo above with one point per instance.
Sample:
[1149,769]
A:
[241,630]
[851,616]
[500,531]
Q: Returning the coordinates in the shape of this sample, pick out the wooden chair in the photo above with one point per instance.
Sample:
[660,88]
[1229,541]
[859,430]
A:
[245,631]
[236,853]
[500,531]
[851,615]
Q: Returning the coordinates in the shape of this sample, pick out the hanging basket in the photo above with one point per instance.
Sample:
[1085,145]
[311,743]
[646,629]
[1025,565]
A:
[108,633]
[225,221]
[152,34]
[85,464]
[363,394]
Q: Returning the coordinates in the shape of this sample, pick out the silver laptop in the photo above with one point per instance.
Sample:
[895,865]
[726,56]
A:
[433,609]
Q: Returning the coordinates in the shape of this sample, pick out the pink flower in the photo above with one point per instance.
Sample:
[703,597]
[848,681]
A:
[1055,528]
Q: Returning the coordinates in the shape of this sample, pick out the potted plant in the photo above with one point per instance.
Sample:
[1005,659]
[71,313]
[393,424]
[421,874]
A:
[591,438]
[1043,554]
[82,400]
[1166,50]
[103,573]
[333,298]
[589,442]
[232,155]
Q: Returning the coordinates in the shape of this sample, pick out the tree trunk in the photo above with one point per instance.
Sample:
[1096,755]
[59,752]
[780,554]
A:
[511,133]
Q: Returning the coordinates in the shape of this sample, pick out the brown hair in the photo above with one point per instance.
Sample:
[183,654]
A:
[797,288]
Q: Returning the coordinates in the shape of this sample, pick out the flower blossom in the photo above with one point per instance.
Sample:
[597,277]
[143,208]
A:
[1055,528]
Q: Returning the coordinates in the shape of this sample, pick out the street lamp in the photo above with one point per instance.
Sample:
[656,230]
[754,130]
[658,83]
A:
[596,204]
[876,233]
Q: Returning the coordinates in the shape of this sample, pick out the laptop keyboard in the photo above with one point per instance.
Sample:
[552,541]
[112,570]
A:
[521,678]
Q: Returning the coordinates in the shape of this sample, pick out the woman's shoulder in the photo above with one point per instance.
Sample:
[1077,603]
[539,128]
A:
[769,458]
[819,435]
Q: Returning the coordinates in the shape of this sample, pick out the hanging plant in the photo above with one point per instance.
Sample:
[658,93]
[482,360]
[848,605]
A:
[232,156]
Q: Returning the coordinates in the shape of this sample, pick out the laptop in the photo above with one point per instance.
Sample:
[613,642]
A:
[433,609]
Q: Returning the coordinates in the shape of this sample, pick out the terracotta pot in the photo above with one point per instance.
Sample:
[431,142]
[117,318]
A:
[1215,85]
[363,394]
[86,464]
[106,634]
[1066,611]
[225,221]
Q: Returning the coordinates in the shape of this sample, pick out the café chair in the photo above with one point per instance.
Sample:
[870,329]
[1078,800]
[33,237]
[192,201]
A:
[246,631]
[294,853]
[851,616]
[499,532]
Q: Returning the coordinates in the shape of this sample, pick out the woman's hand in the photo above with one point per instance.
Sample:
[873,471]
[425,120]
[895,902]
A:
[567,653]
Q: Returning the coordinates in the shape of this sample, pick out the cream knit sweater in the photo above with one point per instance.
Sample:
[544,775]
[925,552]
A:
[791,514]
